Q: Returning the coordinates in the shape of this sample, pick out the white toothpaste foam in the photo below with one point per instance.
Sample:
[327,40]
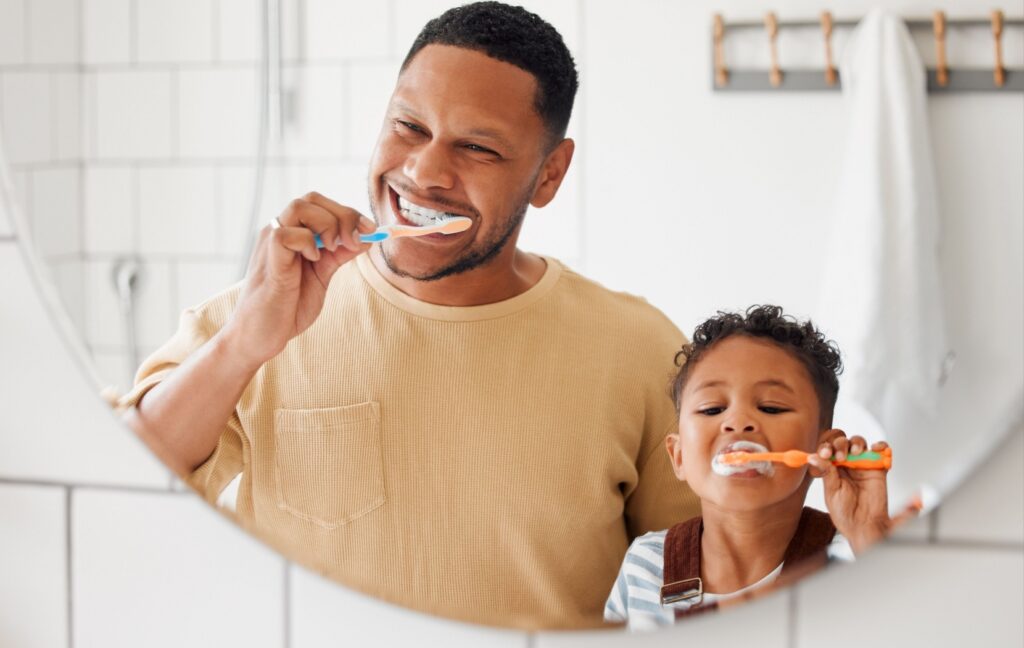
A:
[763,467]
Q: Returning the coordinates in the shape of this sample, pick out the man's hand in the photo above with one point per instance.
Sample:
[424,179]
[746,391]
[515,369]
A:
[286,283]
[183,417]
[857,500]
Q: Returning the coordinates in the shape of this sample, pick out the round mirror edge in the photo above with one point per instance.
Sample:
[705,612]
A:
[54,307]
[42,280]
[1011,421]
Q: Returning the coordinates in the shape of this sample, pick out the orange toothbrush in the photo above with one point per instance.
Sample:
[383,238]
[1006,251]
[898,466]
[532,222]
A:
[795,458]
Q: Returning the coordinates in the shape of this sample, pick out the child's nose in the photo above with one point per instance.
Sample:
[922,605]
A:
[739,422]
[749,427]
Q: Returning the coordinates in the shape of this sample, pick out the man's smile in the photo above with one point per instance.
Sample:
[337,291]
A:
[419,214]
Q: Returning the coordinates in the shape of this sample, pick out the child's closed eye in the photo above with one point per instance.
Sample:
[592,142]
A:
[711,411]
[773,409]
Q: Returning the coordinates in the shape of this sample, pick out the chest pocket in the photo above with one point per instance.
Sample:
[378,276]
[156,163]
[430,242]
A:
[330,467]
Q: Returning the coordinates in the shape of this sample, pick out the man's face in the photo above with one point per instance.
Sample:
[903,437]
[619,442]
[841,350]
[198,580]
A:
[745,393]
[460,136]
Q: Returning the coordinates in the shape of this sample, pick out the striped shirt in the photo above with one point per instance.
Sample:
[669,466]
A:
[636,597]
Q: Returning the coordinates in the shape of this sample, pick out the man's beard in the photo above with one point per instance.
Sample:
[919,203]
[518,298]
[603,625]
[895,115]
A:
[474,258]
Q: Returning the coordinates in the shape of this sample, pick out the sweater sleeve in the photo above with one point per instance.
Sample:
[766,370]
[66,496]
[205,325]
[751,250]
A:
[227,460]
[659,499]
[191,335]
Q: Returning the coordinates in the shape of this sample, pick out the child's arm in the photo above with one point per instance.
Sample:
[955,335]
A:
[857,500]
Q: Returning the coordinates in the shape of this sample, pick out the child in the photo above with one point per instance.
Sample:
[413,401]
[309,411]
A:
[757,382]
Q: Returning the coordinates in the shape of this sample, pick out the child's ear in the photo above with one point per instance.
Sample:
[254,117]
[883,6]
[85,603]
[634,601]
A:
[675,455]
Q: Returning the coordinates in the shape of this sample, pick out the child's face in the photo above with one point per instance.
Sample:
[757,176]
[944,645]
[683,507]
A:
[745,394]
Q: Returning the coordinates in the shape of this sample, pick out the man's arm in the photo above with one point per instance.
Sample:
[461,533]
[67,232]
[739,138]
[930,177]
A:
[182,418]
[660,499]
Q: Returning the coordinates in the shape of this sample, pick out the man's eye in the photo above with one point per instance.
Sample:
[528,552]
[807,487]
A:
[476,148]
[409,126]
[711,411]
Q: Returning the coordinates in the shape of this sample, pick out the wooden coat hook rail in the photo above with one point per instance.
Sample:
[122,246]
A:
[942,78]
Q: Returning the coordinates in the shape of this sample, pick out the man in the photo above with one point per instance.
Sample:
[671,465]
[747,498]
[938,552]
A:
[447,422]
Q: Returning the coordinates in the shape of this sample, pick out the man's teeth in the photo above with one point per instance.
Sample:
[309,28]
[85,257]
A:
[418,215]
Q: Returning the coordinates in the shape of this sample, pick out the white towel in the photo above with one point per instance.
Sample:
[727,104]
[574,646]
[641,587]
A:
[881,291]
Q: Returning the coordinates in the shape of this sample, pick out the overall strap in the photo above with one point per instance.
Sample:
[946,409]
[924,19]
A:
[681,575]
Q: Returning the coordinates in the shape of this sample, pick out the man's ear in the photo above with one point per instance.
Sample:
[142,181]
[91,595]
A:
[675,455]
[552,172]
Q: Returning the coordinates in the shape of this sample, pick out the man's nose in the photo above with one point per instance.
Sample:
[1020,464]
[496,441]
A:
[429,167]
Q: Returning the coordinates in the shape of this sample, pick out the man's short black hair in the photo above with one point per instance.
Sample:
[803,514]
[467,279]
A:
[807,344]
[513,35]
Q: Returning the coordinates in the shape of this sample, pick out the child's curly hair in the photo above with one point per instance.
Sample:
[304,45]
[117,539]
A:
[807,344]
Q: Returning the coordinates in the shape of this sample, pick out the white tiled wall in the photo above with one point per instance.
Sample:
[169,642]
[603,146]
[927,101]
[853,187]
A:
[157,117]
[318,110]
[174,31]
[109,210]
[26,111]
[180,207]
[282,182]
[212,588]
[983,510]
[67,116]
[341,31]
[129,114]
[53,31]
[106,31]
[991,599]
[370,86]
[316,622]
[238,30]
[56,225]
[13,20]
[6,227]
[217,113]
[33,561]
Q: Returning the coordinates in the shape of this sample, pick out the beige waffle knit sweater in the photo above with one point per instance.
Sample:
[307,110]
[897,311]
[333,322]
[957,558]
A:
[487,463]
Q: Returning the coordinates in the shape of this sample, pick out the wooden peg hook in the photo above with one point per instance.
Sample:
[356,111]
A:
[721,73]
[771,24]
[826,29]
[941,67]
[999,73]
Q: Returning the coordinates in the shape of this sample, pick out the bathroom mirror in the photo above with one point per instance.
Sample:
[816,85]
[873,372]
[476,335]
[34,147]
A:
[148,141]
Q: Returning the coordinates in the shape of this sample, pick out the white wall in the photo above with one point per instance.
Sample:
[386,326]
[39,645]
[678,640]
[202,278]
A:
[149,109]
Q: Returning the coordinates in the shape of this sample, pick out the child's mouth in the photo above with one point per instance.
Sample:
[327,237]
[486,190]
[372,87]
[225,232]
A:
[752,469]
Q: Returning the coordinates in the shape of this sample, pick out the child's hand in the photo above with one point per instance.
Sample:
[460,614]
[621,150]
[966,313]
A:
[857,500]
[836,444]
